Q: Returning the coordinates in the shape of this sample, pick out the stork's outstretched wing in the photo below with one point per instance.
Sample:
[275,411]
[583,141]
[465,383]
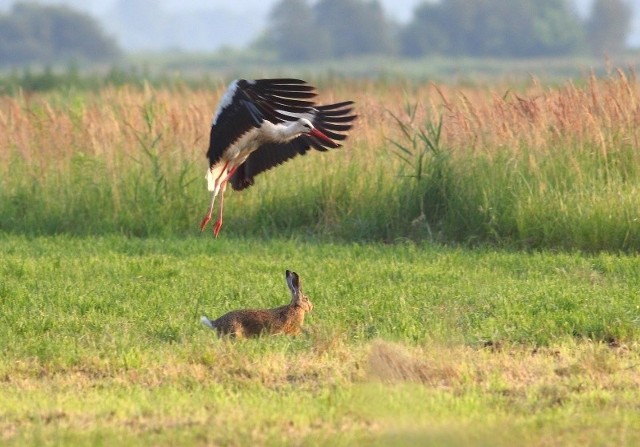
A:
[246,104]
[332,120]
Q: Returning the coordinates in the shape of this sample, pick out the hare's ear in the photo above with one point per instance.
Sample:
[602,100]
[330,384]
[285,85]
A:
[293,281]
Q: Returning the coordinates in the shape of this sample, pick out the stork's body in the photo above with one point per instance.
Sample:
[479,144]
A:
[260,124]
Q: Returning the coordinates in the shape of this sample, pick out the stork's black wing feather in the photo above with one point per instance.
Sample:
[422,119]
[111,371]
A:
[337,117]
[266,157]
[246,104]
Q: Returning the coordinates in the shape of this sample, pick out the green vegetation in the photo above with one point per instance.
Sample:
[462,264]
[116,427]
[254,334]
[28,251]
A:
[195,70]
[543,167]
[102,344]
[430,326]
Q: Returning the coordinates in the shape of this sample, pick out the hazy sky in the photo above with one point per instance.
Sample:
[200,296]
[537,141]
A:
[207,25]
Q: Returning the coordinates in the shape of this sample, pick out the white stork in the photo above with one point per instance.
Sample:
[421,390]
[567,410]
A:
[262,123]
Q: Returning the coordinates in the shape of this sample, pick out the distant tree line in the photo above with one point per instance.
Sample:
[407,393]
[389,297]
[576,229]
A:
[301,30]
[306,30]
[33,33]
[330,28]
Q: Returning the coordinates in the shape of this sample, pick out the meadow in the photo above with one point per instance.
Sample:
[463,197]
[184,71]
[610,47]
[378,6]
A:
[406,344]
[470,253]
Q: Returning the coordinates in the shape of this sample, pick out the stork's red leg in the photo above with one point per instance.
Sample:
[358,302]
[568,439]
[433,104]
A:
[218,225]
[207,217]
[205,221]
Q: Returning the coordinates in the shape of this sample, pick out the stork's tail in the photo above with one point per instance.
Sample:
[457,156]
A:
[211,181]
[208,323]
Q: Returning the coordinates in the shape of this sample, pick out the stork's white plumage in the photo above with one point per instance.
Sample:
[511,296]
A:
[262,123]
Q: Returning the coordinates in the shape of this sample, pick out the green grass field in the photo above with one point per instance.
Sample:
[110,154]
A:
[407,344]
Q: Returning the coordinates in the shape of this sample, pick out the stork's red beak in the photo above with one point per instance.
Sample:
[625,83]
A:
[319,135]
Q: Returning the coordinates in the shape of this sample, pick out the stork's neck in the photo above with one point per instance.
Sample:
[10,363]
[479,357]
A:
[283,132]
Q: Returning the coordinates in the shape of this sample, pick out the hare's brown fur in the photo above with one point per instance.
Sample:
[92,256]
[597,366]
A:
[287,319]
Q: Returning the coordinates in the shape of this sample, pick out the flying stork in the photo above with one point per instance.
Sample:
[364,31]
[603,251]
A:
[262,123]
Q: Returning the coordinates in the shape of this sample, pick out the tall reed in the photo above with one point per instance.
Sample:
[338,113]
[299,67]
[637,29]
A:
[531,165]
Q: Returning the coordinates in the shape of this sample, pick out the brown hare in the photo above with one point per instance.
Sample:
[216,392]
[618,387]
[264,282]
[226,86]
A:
[287,319]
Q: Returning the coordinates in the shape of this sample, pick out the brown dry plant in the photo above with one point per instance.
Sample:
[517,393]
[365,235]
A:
[47,129]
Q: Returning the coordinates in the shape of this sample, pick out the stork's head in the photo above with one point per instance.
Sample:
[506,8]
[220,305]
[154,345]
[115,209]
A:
[304,126]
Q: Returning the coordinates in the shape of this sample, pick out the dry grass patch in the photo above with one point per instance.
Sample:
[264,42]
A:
[510,370]
[47,130]
[264,392]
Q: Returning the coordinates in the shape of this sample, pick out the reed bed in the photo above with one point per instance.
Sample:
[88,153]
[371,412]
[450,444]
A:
[525,165]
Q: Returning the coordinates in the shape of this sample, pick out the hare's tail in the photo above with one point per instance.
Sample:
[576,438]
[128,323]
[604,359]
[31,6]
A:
[208,323]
